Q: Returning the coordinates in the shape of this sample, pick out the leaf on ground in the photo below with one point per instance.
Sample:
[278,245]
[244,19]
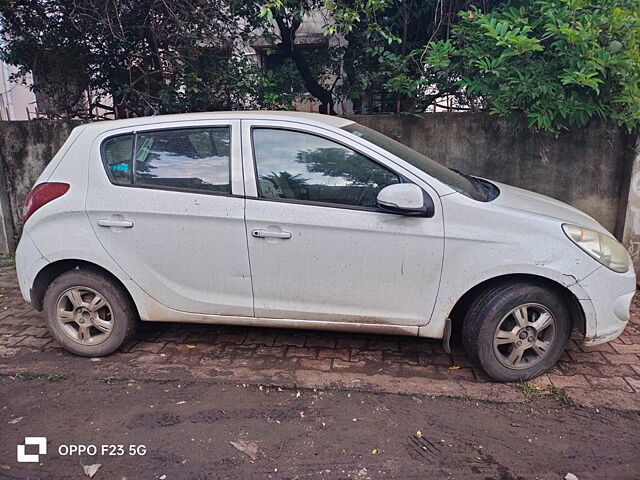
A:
[192,346]
[90,470]
[250,449]
[454,367]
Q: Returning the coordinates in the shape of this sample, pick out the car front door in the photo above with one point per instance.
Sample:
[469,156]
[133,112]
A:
[167,205]
[319,247]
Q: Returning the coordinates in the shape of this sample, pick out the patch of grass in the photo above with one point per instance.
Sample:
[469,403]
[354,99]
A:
[127,381]
[49,377]
[8,260]
[531,392]
[113,380]
[560,395]
[53,377]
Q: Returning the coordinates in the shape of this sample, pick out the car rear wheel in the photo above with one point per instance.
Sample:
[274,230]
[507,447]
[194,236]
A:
[88,313]
[516,331]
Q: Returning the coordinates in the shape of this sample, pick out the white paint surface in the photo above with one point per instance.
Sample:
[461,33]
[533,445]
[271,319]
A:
[192,257]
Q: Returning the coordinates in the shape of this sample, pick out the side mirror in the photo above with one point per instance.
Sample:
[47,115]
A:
[405,199]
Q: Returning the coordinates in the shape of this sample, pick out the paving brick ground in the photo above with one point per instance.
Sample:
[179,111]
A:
[605,375]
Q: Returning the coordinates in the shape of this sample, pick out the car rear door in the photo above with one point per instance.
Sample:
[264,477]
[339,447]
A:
[167,204]
[319,248]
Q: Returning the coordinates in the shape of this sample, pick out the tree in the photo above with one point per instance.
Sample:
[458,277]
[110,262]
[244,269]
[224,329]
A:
[383,65]
[148,56]
[376,52]
[42,40]
[281,21]
[561,62]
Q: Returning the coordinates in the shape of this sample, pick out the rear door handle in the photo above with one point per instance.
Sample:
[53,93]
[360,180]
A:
[270,234]
[108,222]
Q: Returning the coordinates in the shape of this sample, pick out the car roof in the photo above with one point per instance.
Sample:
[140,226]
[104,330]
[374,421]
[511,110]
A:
[310,118]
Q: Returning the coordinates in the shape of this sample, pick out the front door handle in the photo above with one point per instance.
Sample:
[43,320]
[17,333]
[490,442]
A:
[270,234]
[108,222]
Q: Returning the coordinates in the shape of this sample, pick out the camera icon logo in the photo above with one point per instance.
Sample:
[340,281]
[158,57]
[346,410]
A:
[40,442]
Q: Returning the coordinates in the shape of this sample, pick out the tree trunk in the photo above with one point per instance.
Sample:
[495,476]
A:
[288,47]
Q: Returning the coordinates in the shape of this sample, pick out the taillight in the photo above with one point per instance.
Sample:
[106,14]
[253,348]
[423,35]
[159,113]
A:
[41,195]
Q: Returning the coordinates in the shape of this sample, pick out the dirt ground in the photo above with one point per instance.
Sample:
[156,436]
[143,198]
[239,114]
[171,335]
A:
[186,429]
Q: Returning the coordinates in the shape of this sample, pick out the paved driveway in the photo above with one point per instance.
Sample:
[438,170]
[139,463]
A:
[606,375]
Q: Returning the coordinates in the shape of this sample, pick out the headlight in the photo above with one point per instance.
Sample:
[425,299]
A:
[606,250]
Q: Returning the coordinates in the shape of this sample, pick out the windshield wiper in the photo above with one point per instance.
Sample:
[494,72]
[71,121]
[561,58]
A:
[477,184]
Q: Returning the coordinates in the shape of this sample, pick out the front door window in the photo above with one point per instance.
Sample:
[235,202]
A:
[300,166]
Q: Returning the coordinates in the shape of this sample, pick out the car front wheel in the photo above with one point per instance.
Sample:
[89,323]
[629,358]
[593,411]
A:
[516,331]
[88,313]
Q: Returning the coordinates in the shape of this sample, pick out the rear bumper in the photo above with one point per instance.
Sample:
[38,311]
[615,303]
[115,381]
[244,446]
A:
[606,300]
[29,261]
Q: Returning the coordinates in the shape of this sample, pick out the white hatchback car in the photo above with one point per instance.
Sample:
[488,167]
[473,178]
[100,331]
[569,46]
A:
[300,220]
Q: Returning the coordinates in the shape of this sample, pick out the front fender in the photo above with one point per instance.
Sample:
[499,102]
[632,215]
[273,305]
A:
[452,291]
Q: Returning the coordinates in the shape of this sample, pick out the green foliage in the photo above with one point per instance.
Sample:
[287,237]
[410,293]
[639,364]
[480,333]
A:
[561,62]
[147,56]
[42,39]
[383,60]
[384,66]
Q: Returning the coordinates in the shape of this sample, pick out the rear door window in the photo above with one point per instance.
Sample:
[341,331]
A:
[194,159]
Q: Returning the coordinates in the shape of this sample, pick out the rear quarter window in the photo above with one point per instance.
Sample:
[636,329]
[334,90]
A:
[117,153]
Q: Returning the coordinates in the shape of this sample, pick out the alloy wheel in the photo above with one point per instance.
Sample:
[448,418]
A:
[524,336]
[84,315]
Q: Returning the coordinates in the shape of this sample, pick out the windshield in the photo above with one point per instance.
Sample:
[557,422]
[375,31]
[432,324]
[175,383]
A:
[465,184]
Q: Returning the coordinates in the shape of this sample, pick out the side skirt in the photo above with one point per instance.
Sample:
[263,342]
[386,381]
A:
[182,317]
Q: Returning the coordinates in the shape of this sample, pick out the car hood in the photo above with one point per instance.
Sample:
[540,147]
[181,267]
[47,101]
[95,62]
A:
[520,200]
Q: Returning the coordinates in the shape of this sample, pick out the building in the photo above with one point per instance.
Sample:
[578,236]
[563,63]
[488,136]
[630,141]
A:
[17,101]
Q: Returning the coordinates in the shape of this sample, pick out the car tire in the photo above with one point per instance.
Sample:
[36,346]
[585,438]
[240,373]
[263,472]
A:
[88,312]
[516,331]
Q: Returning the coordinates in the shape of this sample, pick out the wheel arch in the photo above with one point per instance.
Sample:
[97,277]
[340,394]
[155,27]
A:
[53,270]
[578,318]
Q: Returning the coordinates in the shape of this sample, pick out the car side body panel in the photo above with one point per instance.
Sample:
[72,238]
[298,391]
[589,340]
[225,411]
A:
[341,264]
[477,249]
[187,250]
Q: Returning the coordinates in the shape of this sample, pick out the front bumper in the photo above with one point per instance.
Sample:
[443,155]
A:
[605,297]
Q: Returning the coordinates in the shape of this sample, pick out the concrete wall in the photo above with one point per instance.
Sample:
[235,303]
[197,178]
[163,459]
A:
[25,149]
[631,233]
[588,167]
